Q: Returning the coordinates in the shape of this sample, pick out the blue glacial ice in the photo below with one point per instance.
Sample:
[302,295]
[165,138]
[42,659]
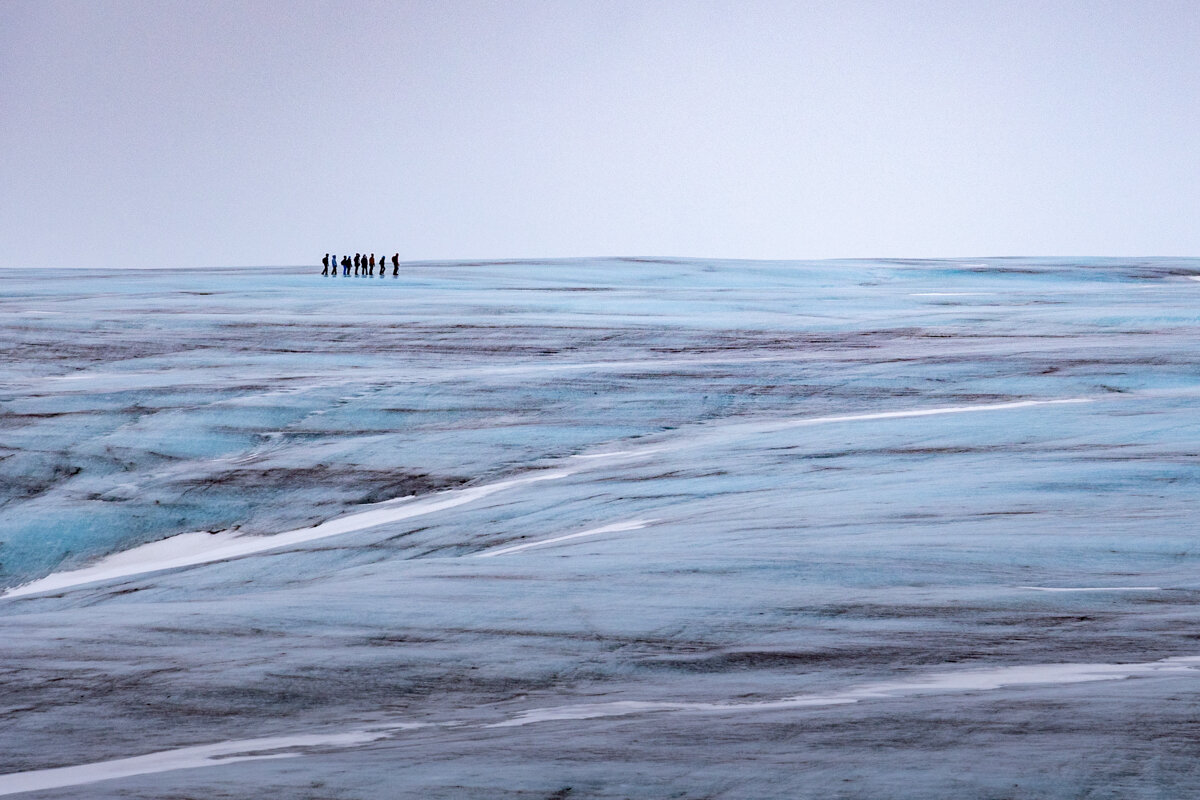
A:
[603,528]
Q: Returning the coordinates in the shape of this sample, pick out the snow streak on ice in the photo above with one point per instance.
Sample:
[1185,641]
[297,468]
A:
[222,753]
[208,755]
[632,525]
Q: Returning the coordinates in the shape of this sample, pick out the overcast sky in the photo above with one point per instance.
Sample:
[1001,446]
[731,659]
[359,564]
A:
[164,133]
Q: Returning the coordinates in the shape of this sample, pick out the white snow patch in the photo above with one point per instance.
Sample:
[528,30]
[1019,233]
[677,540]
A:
[208,755]
[1092,588]
[631,525]
[618,453]
[922,412]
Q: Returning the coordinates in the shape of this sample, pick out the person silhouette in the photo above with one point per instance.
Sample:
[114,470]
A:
[372,272]
[395,265]
[325,261]
[346,266]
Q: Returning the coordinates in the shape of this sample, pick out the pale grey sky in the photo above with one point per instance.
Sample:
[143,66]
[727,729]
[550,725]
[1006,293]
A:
[164,133]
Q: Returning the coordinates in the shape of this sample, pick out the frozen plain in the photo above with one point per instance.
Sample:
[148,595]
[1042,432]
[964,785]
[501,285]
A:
[609,528]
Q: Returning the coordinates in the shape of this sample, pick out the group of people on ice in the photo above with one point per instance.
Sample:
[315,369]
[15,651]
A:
[361,261]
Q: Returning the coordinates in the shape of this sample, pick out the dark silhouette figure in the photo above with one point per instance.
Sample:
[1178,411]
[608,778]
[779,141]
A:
[325,261]
[356,260]
[395,265]
[372,263]
[345,266]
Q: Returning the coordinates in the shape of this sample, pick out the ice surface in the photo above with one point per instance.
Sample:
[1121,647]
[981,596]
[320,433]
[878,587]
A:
[602,528]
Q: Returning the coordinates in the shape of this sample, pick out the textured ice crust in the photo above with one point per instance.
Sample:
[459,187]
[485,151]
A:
[603,528]
[288,746]
[191,549]
[977,680]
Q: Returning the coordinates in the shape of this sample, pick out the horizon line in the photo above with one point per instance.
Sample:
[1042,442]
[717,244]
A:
[649,259]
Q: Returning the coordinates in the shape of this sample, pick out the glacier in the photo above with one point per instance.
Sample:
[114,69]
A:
[610,528]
